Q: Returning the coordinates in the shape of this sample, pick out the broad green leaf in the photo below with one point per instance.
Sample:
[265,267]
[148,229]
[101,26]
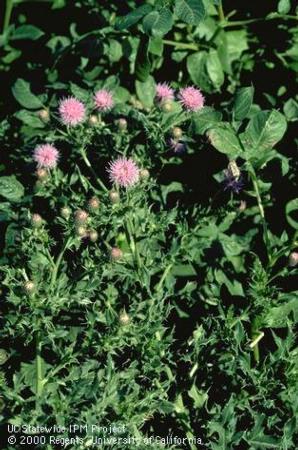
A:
[243,102]
[11,188]
[284,6]
[196,66]
[27,32]
[236,44]
[292,206]
[29,118]
[214,69]
[22,93]
[158,23]
[291,109]
[156,46]
[143,64]
[79,93]
[224,139]
[184,270]
[204,119]
[190,11]
[146,91]
[133,17]
[115,50]
[265,129]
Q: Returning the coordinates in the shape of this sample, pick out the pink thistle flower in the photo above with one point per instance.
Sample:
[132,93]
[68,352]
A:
[46,155]
[72,111]
[124,172]
[191,98]
[164,92]
[103,100]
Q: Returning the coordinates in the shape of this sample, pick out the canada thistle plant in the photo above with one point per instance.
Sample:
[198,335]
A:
[135,306]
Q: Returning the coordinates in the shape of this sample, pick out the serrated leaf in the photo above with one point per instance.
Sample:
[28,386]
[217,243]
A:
[190,11]
[22,93]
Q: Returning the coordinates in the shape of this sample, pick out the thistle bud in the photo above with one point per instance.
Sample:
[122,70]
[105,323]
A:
[36,220]
[81,216]
[122,124]
[3,356]
[293,259]
[242,206]
[65,212]
[93,120]
[177,133]
[124,318]
[144,174]
[93,235]
[44,115]
[167,106]
[114,197]
[93,204]
[116,254]
[81,231]
[29,287]
[42,174]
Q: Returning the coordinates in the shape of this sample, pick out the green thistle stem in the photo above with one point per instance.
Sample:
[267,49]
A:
[88,164]
[7,16]
[39,380]
[260,206]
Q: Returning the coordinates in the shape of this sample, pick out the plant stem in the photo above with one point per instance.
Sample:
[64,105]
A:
[57,263]
[260,206]
[182,45]
[7,16]
[38,366]
[164,275]
[221,14]
[88,164]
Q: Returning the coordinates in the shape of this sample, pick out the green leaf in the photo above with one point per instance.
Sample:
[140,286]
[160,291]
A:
[292,206]
[224,139]
[133,17]
[204,119]
[284,6]
[143,64]
[22,93]
[196,66]
[11,188]
[27,32]
[156,46]
[190,11]
[158,23]
[29,118]
[265,129]
[214,69]
[115,50]
[291,109]
[146,91]
[243,102]
[278,317]
[199,397]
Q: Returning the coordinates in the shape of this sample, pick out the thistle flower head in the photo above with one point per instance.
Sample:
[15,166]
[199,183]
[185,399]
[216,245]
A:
[72,111]
[46,155]
[191,98]
[124,172]
[81,216]
[164,92]
[103,100]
